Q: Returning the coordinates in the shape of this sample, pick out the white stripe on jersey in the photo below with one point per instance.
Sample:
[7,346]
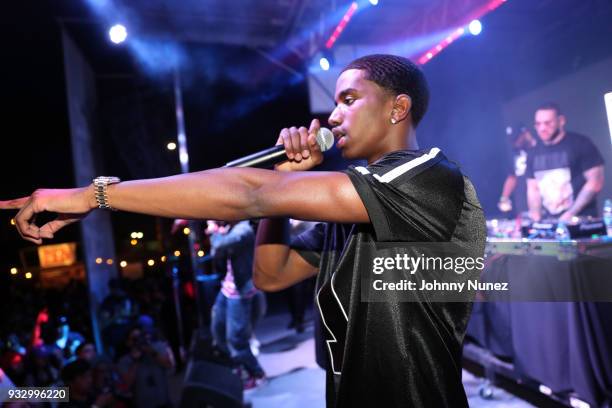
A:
[362,170]
[399,170]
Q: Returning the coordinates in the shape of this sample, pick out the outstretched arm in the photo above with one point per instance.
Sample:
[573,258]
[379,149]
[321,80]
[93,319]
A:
[223,194]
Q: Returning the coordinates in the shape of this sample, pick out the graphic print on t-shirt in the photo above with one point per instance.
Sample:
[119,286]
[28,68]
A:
[554,181]
[335,320]
[556,189]
[520,163]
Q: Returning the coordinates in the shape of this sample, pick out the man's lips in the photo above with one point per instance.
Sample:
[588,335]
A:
[340,137]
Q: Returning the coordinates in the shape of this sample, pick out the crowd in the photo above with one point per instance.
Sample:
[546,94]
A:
[47,342]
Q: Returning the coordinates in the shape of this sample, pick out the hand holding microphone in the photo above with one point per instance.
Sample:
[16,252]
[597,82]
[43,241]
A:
[297,149]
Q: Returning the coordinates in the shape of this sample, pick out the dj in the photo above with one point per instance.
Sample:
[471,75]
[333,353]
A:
[565,172]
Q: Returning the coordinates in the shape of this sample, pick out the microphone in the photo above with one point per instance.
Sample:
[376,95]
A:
[276,154]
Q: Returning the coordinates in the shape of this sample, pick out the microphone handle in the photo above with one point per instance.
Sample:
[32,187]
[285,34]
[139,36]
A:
[267,156]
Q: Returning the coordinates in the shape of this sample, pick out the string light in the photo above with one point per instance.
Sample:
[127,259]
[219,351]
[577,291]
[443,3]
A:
[200,253]
[186,230]
[177,253]
[123,264]
[150,262]
[109,261]
[133,242]
[98,261]
[13,271]
[28,275]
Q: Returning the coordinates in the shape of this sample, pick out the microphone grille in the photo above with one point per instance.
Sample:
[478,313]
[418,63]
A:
[325,139]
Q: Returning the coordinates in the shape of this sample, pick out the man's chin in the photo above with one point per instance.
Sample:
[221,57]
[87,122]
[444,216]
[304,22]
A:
[346,153]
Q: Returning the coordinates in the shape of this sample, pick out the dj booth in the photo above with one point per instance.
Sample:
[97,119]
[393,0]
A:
[555,329]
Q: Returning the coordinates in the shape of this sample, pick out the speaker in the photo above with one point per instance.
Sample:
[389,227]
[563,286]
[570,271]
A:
[210,385]
[202,349]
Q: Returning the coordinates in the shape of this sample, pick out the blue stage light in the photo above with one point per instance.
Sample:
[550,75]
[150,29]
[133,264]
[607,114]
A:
[324,63]
[475,27]
[117,33]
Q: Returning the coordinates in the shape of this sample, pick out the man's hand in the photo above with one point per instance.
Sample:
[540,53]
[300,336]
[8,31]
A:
[566,216]
[504,204]
[535,216]
[301,146]
[71,205]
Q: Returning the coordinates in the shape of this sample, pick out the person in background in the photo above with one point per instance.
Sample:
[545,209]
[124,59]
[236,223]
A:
[116,314]
[67,340]
[514,192]
[77,376]
[144,369]
[86,351]
[233,311]
[565,172]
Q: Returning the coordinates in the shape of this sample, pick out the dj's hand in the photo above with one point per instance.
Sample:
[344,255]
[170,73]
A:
[566,217]
[535,216]
[71,205]
[504,204]
[301,146]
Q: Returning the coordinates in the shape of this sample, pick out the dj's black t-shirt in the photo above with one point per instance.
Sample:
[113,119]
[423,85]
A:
[394,353]
[559,169]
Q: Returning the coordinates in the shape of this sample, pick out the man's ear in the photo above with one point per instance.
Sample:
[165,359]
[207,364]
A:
[401,107]
[562,121]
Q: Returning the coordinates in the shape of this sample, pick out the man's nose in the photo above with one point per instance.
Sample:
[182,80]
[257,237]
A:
[334,118]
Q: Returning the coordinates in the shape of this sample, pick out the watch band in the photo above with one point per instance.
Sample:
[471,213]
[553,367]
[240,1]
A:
[100,186]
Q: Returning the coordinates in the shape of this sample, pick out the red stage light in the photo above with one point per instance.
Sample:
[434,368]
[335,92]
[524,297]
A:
[436,49]
[341,25]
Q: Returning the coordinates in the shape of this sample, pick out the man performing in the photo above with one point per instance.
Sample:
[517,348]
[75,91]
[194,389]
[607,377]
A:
[389,353]
[564,172]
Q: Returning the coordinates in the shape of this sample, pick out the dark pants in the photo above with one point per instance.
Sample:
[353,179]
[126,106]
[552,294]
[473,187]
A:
[232,327]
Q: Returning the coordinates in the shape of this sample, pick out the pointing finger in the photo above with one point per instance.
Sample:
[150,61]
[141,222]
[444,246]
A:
[14,204]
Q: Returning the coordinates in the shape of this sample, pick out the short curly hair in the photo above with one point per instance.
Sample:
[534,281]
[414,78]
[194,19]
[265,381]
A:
[398,75]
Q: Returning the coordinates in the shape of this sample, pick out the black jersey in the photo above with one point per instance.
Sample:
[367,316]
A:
[395,354]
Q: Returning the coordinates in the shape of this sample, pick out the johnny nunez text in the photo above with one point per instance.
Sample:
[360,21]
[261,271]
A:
[434,285]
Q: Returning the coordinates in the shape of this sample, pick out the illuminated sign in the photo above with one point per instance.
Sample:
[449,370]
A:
[57,255]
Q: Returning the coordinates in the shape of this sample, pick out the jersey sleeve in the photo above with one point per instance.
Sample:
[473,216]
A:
[416,200]
[309,244]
